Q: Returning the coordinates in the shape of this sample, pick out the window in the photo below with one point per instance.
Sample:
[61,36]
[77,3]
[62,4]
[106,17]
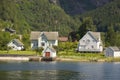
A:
[83,40]
[92,46]
[88,40]
[13,42]
[42,44]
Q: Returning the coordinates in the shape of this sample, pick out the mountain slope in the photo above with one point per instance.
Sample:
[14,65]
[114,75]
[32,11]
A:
[106,15]
[10,14]
[41,15]
[74,7]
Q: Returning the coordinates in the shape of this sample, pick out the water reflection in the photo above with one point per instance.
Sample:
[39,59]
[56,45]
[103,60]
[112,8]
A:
[42,75]
[59,71]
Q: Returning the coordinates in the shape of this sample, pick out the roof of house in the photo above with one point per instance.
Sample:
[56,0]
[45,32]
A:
[49,35]
[95,35]
[63,39]
[34,35]
[10,30]
[18,42]
[115,48]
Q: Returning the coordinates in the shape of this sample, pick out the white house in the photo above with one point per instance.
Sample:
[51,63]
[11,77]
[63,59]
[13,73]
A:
[49,52]
[90,42]
[16,44]
[112,52]
[43,39]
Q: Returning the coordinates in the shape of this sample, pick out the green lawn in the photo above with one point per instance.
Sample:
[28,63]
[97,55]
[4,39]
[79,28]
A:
[18,52]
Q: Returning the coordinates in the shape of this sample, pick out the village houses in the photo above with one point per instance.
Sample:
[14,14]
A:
[46,40]
[90,42]
[43,39]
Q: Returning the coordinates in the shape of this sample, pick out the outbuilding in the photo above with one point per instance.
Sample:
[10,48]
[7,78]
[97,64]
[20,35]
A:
[49,52]
[15,44]
[112,52]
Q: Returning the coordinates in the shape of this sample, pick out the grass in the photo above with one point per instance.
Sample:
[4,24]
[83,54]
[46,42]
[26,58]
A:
[81,56]
[19,52]
[72,53]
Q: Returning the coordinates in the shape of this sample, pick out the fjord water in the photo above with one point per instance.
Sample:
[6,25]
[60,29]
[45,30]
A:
[59,71]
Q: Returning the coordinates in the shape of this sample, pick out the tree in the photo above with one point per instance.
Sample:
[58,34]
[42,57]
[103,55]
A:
[4,39]
[111,36]
[87,25]
[56,48]
[26,41]
[39,50]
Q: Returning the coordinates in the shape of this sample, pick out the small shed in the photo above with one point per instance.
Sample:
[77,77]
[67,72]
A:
[49,52]
[112,52]
[16,44]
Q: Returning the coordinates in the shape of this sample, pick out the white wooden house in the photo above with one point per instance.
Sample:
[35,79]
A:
[49,52]
[90,42]
[43,39]
[112,52]
[15,44]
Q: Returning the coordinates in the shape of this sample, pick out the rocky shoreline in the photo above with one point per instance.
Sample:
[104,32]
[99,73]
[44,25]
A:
[38,58]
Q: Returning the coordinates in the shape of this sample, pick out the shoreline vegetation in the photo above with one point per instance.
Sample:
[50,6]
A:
[62,56]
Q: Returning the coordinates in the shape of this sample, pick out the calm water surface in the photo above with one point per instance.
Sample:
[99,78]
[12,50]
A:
[59,71]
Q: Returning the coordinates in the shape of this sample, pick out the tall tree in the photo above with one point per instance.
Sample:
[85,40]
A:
[87,25]
[111,36]
[4,39]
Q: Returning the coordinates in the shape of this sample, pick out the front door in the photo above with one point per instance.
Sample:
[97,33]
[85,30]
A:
[47,54]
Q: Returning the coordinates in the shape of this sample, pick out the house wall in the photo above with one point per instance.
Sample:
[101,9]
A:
[117,54]
[52,54]
[109,52]
[42,40]
[87,43]
[53,42]
[34,44]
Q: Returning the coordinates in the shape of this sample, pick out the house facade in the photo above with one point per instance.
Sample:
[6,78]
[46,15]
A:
[43,39]
[112,52]
[49,52]
[90,42]
[16,44]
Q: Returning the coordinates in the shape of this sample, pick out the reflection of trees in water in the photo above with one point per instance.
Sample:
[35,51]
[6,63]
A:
[3,75]
[41,75]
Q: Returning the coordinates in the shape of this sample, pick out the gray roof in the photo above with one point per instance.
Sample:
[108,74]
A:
[115,48]
[18,42]
[49,35]
[34,35]
[95,35]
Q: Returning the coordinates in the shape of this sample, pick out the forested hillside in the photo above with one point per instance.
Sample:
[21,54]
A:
[11,16]
[105,16]
[75,7]
[42,15]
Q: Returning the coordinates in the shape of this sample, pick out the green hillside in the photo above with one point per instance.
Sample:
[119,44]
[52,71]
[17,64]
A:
[74,7]
[106,15]
[41,15]
[11,16]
